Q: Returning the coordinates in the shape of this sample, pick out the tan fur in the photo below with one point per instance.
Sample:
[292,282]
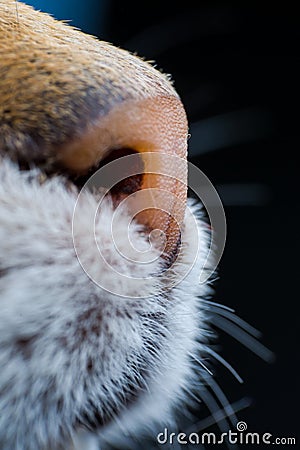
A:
[54,79]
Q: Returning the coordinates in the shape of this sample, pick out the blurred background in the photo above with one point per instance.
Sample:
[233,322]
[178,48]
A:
[236,67]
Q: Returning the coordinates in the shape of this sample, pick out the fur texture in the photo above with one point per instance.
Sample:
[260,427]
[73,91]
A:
[67,100]
[56,80]
[73,354]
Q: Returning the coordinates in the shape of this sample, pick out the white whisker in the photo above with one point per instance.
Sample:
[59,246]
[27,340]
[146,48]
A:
[214,409]
[219,415]
[191,394]
[238,320]
[241,336]
[222,398]
[224,363]
[219,305]
[201,364]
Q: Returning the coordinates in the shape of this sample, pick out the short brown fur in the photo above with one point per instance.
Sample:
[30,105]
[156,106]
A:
[55,80]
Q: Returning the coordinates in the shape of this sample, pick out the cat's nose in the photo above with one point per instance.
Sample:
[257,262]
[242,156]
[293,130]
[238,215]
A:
[68,101]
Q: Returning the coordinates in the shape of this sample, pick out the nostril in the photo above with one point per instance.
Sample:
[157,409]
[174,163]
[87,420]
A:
[129,172]
[126,185]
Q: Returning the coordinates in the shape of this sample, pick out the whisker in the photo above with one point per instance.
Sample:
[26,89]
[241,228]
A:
[224,363]
[219,305]
[238,320]
[201,364]
[191,394]
[219,415]
[214,409]
[241,336]
[17,12]
[215,387]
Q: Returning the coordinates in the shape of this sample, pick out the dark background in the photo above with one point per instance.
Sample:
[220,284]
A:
[236,68]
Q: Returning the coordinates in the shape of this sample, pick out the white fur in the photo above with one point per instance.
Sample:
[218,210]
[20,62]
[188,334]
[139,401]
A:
[66,344]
